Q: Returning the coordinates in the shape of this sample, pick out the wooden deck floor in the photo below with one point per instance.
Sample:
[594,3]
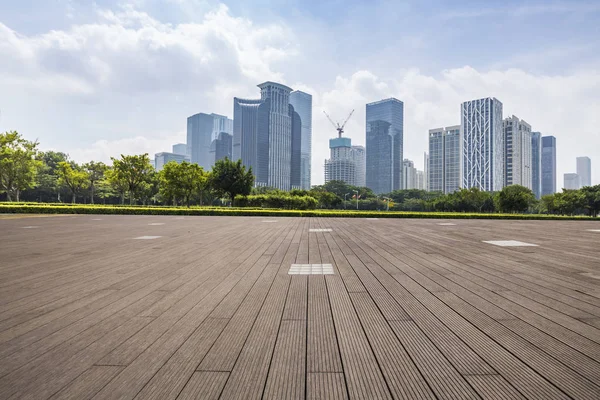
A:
[414,309]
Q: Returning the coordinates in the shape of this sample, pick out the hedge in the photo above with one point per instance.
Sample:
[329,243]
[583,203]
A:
[138,210]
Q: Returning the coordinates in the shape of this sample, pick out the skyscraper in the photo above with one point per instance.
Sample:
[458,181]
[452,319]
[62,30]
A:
[536,164]
[517,151]
[359,155]
[572,181]
[202,129]
[444,159]
[385,141]
[482,144]
[180,148]
[548,165]
[425,171]
[267,137]
[160,159]
[341,165]
[409,175]
[584,170]
[221,147]
[302,103]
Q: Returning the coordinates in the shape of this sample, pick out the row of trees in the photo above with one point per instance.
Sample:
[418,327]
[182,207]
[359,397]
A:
[31,175]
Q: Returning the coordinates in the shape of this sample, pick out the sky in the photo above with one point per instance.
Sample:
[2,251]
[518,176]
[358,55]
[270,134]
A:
[101,78]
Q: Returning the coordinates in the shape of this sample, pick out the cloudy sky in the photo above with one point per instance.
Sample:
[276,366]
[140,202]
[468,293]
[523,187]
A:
[99,78]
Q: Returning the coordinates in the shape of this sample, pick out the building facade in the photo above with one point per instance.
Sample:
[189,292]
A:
[341,165]
[482,144]
[222,147]
[359,155]
[572,181]
[536,164]
[385,142]
[267,137]
[302,103]
[548,165]
[517,151]
[584,170]
[180,148]
[409,175]
[160,159]
[444,161]
[202,130]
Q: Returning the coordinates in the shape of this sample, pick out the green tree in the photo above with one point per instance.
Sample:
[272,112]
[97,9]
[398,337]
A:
[592,199]
[231,178]
[117,183]
[514,198]
[570,201]
[18,164]
[95,172]
[133,172]
[182,182]
[73,177]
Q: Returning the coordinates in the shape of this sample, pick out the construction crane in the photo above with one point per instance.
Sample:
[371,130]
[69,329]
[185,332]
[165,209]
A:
[337,126]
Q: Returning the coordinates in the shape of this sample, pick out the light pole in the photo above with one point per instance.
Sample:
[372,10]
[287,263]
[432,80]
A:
[345,199]
[356,191]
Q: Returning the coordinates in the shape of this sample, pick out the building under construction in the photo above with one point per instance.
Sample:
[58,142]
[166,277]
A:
[346,162]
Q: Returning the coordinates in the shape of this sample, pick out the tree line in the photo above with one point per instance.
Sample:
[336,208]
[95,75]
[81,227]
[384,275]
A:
[27,174]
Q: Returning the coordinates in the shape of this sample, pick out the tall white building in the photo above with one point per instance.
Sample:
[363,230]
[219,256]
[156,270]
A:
[346,162]
[584,170]
[160,159]
[517,141]
[359,155]
[302,103]
[572,182]
[482,144]
[202,130]
[426,171]
[409,179]
[444,161]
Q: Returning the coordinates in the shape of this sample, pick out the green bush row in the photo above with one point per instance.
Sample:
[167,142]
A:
[98,209]
[277,201]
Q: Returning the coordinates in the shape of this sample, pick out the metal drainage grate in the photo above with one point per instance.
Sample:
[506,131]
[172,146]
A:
[509,243]
[320,230]
[311,269]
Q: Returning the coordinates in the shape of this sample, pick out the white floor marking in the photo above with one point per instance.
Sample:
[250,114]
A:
[593,230]
[447,224]
[147,237]
[373,219]
[269,221]
[156,223]
[30,227]
[96,219]
[509,243]
[320,230]
[311,269]
[590,275]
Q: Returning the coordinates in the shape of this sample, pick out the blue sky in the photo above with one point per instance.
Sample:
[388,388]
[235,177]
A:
[110,76]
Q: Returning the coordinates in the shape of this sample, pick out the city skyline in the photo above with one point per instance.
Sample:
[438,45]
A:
[106,100]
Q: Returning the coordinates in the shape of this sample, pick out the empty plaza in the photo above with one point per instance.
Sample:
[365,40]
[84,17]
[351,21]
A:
[168,307]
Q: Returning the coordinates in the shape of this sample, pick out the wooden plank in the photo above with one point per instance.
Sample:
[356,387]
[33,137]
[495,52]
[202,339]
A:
[88,384]
[326,386]
[204,385]
[493,387]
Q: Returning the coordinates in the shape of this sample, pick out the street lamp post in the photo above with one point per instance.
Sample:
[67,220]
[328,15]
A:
[356,191]
[345,199]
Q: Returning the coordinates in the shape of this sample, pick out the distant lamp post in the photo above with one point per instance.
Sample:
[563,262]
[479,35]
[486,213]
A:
[356,191]
[345,199]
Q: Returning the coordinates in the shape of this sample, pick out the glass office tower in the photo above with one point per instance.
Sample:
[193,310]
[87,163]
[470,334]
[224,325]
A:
[536,164]
[302,103]
[548,165]
[385,141]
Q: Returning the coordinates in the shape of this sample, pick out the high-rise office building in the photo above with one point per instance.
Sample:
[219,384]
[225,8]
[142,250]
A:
[341,165]
[421,181]
[548,165]
[425,171]
[444,159]
[359,155]
[584,170]
[160,159]
[267,137]
[302,103]
[202,129]
[517,152]
[572,181]
[409,175]
[221,147]
[536,164]
[482,144]
[180,148]
[385,141]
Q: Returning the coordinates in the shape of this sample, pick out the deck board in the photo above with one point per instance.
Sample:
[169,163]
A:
[414,310]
